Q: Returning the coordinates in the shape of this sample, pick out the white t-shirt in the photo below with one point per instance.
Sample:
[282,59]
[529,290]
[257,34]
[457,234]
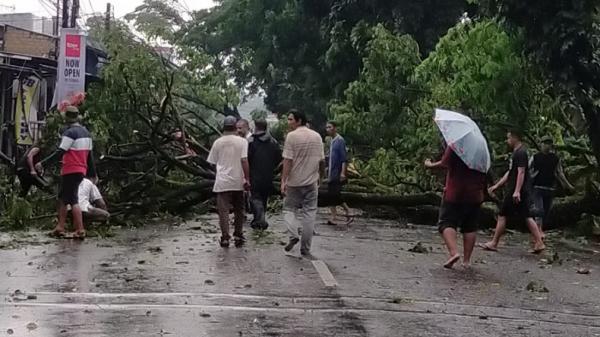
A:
[88,193]
[227,153]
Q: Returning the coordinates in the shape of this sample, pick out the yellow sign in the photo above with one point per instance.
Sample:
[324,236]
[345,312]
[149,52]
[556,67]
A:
[27,110]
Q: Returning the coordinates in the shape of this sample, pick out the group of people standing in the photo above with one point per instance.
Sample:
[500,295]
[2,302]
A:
[528,196]
[246,164]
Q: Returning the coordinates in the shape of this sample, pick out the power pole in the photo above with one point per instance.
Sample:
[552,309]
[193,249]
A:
[56,22]
[65,14]
[74,13]
[107,18]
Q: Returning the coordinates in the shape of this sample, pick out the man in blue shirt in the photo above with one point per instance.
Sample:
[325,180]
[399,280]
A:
[338,165]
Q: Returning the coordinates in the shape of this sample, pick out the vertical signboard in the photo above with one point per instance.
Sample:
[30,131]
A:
[27,110]
[71,65]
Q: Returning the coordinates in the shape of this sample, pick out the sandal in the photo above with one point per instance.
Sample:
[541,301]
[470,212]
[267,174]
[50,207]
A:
[450,263]
[79,235]
[57,234]
[488,247]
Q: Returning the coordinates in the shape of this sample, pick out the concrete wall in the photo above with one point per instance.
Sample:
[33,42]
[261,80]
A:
[20,41]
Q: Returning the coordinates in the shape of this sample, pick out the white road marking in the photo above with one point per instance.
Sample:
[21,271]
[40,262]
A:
[325,274]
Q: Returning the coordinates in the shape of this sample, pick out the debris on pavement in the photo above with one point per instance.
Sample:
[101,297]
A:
[19,296]
[155,250]
[419,248]
[537,287]
[583,271]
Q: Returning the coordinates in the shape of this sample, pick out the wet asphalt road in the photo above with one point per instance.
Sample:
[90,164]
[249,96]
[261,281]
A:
[176,281]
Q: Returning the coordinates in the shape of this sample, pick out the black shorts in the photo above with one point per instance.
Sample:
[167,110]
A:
[334,190]
[521,210]
[69,188]
[459,215]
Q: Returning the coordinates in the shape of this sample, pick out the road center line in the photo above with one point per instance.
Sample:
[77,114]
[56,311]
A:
[325,274]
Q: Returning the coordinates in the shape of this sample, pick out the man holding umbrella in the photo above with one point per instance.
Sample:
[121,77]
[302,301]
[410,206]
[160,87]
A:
[466,160]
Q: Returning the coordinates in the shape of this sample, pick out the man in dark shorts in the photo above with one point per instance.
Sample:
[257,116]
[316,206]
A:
[517,200]
[75,149]
[463,195]
[338,167]
[546,169]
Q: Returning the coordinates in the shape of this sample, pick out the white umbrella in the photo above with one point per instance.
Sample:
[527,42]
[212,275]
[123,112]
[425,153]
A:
[464,137]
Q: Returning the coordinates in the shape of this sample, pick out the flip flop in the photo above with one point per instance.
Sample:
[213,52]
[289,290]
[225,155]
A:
[537,251]
[79,235]
[487,247]
[349,220]
[450,263]
[57,234]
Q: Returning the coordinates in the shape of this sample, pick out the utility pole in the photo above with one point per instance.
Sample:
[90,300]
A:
[107,18]
[56,21]
[74,13]
[65,14]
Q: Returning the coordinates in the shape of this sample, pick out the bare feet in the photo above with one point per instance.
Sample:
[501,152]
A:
[489,246]
[450,263]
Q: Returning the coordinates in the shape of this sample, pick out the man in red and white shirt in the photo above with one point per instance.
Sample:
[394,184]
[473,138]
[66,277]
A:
[75,149]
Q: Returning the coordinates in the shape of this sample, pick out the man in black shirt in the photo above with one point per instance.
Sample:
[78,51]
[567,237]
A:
[264,155]
[545,170]
[517,198]
[26,172]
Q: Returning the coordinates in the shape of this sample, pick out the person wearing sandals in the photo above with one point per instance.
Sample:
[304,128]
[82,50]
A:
[229,154]
[337,172]
[461,204]
[75,149]
[517,200]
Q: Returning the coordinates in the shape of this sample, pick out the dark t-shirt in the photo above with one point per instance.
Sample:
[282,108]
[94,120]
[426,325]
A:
[463,185]
[545,165]
[518,159]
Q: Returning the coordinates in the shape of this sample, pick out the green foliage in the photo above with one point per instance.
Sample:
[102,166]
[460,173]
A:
[478,68]
[305,53]
[378,104]
[258,114]
[564,40]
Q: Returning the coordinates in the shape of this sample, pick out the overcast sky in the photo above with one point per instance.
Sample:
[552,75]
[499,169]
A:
[121,7]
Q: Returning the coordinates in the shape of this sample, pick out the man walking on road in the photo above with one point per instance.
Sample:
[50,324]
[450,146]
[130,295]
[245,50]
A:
[264,155]
[517,200]
[75,149]
[338,167]
[463,195]
[230,155]
[546,169]
[303,167]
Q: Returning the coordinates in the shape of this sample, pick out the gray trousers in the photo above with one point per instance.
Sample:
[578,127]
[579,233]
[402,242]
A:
[300,211]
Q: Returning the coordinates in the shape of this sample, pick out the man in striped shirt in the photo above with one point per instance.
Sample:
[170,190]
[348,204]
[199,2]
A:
[77,162]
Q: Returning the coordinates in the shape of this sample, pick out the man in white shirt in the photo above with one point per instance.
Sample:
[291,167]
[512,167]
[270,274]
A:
[303,167]
[230,155]
[91,202]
